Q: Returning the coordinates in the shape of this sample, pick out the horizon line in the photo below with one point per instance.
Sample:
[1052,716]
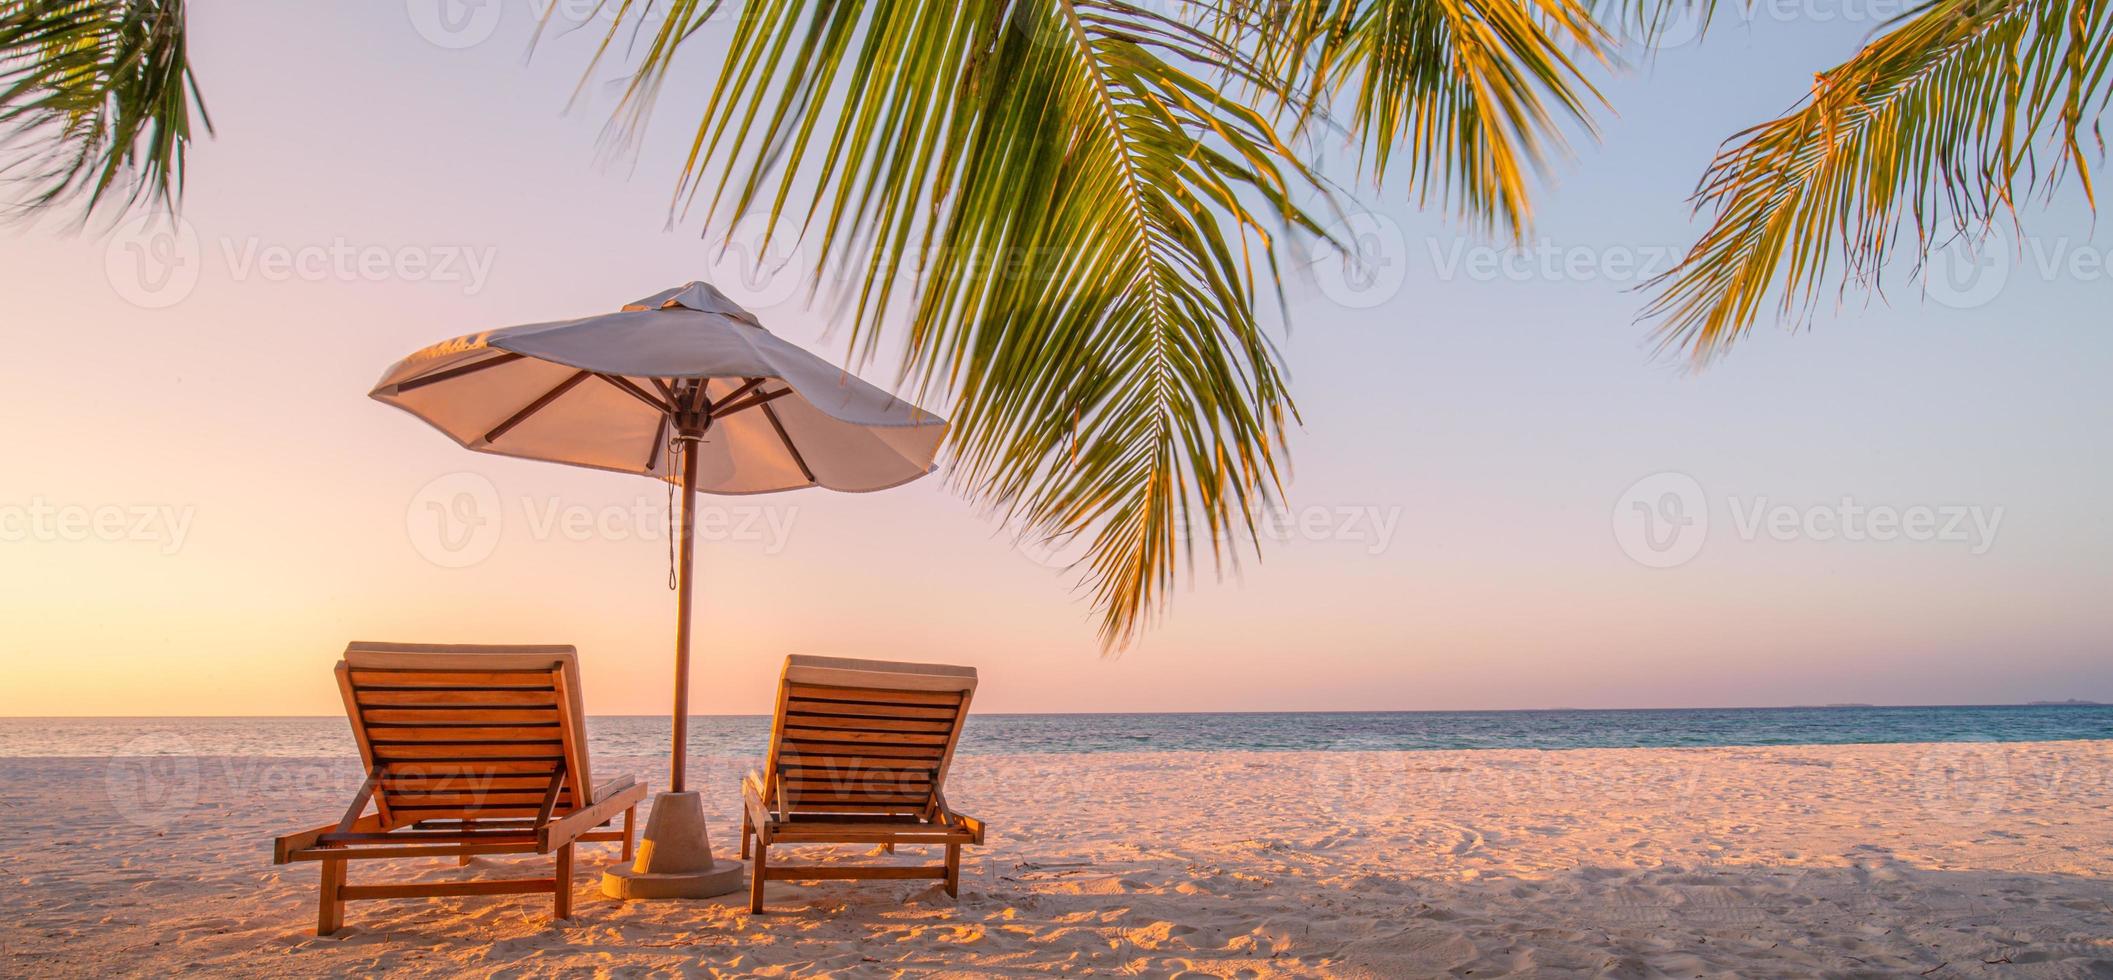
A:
[1841,706]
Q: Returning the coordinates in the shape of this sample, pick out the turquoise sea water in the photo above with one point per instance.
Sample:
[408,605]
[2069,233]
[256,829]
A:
[1001,734]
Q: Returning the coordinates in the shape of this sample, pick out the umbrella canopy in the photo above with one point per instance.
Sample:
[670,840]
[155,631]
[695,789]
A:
[611,391]
[683,385]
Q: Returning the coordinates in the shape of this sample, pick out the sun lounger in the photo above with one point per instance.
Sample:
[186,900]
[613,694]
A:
[858,755]
[468,750]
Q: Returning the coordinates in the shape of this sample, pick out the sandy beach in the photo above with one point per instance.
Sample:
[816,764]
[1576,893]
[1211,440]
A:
[1946,860]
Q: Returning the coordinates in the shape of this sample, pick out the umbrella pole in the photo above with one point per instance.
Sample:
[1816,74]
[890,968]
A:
[675,857]
[682,616]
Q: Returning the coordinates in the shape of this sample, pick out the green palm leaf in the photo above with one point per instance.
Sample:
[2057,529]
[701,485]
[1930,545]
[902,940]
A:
[1933,125]
[95,100]
[1477,92]
[1081,208]
[1082,195]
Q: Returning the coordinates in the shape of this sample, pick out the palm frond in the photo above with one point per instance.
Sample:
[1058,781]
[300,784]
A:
[1479,93]
[1935,124]
[1076,209]
[1646,24]
[95,102]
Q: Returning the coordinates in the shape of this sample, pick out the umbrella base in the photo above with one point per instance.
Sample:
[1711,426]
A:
[622,883]
[674,856]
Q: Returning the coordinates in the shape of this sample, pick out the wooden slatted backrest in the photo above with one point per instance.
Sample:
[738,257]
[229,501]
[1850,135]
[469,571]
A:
[864,737]
[459,732]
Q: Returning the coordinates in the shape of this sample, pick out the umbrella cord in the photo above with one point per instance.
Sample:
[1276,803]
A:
[675,448]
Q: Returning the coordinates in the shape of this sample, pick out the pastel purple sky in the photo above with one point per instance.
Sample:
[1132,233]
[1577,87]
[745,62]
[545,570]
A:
[1462,517]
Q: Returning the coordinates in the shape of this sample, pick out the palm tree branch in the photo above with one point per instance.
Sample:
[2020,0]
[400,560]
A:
[1478,95]
[1042,191]
[1933,123]
[95,103]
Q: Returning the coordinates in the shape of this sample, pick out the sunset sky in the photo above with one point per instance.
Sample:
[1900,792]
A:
[199,506]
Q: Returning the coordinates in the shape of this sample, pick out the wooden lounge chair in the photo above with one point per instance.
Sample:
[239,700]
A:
[468,750]
[858,755]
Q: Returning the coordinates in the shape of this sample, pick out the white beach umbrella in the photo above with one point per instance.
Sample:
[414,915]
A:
[612,391]
[685,386]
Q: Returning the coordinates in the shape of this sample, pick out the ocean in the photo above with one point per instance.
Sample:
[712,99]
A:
[1004,734]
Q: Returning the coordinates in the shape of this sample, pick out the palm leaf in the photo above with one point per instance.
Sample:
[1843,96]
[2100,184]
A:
[1478,93]
[1078,208]
[1933,126]
[95,100]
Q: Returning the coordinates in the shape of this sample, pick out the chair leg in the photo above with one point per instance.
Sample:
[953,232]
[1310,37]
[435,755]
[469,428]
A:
[564,882]
[953,870]
[630,832]
[330,912]
[462,861]
[755,878]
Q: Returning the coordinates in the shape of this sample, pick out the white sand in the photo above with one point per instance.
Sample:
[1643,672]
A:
[1949,861]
